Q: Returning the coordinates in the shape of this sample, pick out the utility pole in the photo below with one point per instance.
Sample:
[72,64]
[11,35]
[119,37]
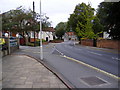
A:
[34,21]
[41,48]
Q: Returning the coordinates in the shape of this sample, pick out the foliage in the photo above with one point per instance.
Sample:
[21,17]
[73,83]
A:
[38,40]
[81,20]
[60,29]
[108,13]
[15,20]
[97,27]
[22,20]
[30,44]
[84,23]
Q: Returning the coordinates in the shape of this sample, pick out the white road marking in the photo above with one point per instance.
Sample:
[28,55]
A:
[95,68]
[59,51]
[115,58]
[95,53]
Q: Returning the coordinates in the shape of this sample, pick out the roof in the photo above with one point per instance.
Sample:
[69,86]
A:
[49,29]
[70,33]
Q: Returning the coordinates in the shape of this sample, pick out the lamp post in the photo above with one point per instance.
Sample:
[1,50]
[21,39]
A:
[41,48]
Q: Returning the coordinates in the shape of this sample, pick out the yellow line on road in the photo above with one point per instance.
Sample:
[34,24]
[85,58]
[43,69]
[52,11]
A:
[116,77]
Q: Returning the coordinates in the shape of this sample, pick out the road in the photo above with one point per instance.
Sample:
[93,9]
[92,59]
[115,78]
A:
[104,60]
[73,72]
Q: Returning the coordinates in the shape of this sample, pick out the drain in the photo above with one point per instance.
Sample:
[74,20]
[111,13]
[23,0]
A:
[93,81]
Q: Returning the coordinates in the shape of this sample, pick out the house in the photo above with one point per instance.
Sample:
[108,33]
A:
[70,36]
[47,34]
[106,35]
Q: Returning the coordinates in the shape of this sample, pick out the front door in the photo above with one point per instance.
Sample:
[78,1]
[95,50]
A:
[47,39]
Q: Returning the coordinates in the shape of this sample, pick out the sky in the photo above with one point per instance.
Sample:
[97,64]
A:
[56,10]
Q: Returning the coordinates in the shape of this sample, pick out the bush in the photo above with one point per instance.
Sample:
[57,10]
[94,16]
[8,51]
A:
[83,38]
[38,40]
[30,44]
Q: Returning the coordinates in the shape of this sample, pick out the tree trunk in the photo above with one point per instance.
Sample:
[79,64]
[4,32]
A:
[95,42]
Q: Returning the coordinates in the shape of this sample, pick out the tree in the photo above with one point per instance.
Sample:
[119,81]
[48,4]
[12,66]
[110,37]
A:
[60,29]
[97,29]
[16,20]
[81,20]
[22,21]
[108,13]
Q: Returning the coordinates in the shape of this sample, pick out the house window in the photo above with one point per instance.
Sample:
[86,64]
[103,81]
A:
[32,34]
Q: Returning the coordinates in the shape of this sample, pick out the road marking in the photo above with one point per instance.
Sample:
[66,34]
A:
[58,51]
[95,53]
[116,58]
[109,74]
[97,69]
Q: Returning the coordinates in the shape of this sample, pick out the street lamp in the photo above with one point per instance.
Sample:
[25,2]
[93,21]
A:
[41,48]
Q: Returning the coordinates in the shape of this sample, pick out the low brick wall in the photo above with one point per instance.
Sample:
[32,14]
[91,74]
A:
[56,41]
[45,43]
[32,39]
[112,44]
[87,42]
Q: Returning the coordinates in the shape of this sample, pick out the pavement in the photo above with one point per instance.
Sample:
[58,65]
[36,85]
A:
[21,71]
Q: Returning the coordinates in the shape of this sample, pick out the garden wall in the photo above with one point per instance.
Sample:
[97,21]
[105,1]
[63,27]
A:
[112,44]
[87,42]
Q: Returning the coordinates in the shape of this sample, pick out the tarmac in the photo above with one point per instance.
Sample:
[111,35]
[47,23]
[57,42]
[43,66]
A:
[21,71]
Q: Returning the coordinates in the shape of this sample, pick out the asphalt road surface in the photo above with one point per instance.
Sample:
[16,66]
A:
[100,58]
[72,72]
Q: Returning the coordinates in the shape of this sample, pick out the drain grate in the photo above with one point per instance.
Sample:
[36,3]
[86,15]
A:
[93,81]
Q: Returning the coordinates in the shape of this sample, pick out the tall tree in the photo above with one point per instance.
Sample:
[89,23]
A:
[15,20]
[97,26]
[108,13]
[21,20]
[81,20]
[60,29]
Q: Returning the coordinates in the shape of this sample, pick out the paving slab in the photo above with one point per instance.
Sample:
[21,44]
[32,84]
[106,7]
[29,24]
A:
[20,71]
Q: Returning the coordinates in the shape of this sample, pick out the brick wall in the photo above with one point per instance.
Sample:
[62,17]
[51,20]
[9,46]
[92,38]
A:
[87,42]
[32,39]
[112,44]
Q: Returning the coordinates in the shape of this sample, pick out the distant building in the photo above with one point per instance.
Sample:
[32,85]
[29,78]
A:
[47,34]
[106,35]
[70,36]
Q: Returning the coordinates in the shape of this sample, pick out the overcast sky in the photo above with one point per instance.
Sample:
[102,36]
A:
[56,10]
